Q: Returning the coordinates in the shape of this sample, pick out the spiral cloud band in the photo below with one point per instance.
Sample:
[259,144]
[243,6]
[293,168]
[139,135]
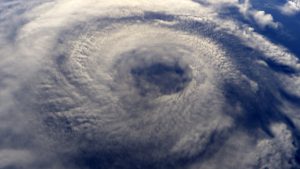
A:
[144,84]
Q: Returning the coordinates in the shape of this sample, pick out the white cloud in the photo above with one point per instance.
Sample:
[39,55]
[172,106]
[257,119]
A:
[291,7]
[271,152]
[263,19]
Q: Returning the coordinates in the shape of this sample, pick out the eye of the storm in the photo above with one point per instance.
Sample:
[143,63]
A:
[161,78]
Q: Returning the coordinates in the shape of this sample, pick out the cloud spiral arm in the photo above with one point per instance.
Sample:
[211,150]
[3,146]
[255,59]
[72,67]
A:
[81,87]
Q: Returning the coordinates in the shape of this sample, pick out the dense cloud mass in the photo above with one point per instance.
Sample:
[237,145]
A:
[125,84]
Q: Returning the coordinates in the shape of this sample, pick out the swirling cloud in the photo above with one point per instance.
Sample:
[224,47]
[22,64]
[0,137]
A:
[140,84]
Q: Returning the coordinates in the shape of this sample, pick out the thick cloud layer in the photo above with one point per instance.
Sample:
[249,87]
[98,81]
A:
[139,84]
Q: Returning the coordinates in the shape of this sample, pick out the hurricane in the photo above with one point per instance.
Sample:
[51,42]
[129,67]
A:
[138,84]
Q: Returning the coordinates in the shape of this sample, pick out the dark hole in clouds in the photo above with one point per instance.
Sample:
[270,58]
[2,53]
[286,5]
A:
[160,78]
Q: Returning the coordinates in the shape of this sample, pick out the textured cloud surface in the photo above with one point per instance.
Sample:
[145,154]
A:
[144,84]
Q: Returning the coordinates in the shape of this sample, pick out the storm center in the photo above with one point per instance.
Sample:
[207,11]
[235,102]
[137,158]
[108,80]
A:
[160,78]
